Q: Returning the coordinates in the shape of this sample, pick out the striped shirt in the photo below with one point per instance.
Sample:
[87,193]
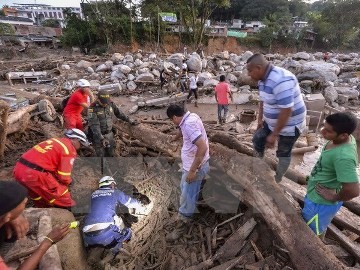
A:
[280,89]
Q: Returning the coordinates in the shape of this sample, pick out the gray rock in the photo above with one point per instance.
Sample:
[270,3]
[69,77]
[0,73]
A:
[138,62]
[202,77]
[330,94]
[230,63]
[145,65]
[145,77]
[301,56]
[118,75]
[131,86]
[152,56]
[124,69]
[231,78]
[350,92]
[210,83]
[204,63]
[245,79]
[143,70]
[109,64]
[131,77]
[138,56]
[133,109]
[156,73]
[117,57]
[84,64]
[90,70]
[176,59]
[168,66]
[128,58]
[102,68]
[194,63]
[66,67]
[224,55]
[246,55]
[94,84]
[342,99]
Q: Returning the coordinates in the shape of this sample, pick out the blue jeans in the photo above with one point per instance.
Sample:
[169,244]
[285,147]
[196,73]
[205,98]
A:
[319,216]
[221,108]
[190,191]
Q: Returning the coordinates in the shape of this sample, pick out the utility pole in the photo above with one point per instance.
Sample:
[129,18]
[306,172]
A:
[158,38]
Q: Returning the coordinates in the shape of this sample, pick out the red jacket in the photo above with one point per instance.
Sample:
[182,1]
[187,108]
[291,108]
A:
[73,106]
[56,155]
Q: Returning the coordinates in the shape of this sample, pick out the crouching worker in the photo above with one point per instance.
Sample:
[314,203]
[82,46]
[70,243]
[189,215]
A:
[102,226]
[12,204]
[45,169]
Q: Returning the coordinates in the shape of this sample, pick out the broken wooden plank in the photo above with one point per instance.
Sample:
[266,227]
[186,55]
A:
[235,242]
[343,218]
[248,257]
[352,247]
[257,188]
[4,114]
[339,252]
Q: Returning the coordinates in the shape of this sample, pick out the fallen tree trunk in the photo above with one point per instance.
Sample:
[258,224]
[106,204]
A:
[233,143]
[257,188]
[17,115]
[20,125]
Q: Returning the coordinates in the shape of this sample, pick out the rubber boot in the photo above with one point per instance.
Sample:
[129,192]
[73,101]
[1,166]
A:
[283,165]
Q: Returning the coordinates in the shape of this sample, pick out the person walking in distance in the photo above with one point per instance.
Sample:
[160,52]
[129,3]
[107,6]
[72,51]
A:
[222,94]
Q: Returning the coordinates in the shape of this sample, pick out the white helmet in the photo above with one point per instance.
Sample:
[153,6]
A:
[83,83]
[75,133]
[106,181]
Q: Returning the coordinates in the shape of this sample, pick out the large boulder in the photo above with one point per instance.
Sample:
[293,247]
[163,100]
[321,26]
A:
[319,70]
[347,91]
[117,57]
[204,63]
[128,58]
[131,86]
[123,68]
[156,73]
[145,77]
[245,79]
[330,94]
[143,70]
[102,68]
[84,64]
[138,62]
[176,59]
[152,56]
[168,66]
[210,83]
[224,55]
[203,76]
[194,63]
[301,56]
[231,78]
[117,75]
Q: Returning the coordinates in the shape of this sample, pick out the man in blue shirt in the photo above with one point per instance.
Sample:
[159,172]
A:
[102,226]
[282,111]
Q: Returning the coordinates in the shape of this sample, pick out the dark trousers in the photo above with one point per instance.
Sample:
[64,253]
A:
[105,151]
[191,92]
[285,145]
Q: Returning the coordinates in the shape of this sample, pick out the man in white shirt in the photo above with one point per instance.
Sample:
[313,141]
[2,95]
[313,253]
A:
[193,88]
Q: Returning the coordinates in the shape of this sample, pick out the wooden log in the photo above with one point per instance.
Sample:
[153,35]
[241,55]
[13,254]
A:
[161,122]
[257,188]
[20,125]
[233,143]
[236,241]
[17,115]
[4,114]
[344,217]
[352,247]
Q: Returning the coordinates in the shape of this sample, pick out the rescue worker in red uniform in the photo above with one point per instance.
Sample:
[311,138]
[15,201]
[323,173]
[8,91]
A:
[45,169]
[79,100]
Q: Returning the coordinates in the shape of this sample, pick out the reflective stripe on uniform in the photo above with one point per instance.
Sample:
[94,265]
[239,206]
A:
[316,219]
[64,173]
[36,199]
[53,200]
[63,146]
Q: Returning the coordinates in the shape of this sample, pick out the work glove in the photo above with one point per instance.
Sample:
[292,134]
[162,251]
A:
[143,199]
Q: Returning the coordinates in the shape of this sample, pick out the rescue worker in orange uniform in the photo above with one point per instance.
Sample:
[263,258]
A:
[79,100]
[45,169]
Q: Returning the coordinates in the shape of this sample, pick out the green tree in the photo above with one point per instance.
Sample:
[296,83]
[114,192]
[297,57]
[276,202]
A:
[6,29]
[51,23]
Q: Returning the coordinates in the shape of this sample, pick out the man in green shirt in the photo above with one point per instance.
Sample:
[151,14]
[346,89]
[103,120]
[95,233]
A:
[333,179]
